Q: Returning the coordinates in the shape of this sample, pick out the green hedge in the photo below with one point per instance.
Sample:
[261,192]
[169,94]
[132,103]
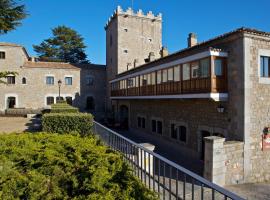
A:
[67,122]
[63,108]
[53,166]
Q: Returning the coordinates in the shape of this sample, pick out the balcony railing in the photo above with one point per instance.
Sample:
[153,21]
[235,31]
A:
[193,78]
[166,178]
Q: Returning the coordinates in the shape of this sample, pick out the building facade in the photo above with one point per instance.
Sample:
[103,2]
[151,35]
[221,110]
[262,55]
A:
[36,85]
[215,88]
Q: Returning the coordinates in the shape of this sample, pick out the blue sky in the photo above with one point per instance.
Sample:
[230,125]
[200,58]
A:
[207,18]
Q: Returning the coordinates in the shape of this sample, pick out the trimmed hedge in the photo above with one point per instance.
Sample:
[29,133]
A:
[53,166]
[63,108]
[67,122]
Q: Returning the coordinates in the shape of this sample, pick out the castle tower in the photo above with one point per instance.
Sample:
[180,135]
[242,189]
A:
[132,39]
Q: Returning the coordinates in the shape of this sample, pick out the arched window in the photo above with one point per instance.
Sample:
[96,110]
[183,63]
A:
[24,80]
[90,104]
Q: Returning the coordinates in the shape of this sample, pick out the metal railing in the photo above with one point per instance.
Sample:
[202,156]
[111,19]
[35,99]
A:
[159,174]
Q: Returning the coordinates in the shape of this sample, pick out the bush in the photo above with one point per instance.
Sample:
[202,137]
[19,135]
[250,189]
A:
[63,108]
[53,166]
[67,122]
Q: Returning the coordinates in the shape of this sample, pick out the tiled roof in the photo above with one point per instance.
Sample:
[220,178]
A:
[54,65]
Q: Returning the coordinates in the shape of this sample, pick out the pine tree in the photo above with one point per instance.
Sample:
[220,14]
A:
[66,45]
[11,15]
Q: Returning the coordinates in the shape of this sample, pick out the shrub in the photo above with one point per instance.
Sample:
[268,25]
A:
[67,122]
[53,166]
[63,108]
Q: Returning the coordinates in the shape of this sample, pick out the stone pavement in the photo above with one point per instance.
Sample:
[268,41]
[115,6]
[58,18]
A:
[17,124]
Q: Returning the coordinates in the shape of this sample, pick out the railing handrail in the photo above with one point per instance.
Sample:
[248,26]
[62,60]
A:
[178,167]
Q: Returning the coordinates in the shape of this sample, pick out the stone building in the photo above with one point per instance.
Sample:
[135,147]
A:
[217,88]
[36,85]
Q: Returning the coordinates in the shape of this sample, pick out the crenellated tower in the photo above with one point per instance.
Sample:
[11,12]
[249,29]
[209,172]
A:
[132,39]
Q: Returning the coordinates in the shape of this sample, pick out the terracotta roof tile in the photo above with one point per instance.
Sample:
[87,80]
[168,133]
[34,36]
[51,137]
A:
[54,65]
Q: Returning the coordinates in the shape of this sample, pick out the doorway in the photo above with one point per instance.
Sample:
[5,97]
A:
[124,117]
[11,102]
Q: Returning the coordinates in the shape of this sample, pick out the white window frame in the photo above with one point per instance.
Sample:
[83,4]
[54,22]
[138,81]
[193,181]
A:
[49,75]
[262,52]
[69,76]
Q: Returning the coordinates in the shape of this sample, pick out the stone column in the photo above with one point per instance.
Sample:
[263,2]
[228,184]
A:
[146,159]
[214,165]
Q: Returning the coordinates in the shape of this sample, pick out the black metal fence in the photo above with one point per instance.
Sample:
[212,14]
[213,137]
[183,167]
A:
[161,175]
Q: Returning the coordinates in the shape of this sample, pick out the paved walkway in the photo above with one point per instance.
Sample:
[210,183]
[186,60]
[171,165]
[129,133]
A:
[17,124]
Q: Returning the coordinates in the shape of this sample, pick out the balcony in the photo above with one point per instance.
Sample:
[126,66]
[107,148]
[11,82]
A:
[202,78]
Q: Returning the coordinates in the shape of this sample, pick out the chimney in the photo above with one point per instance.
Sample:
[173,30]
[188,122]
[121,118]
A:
[164,52]
[192,39]
[151,56]
[136,62]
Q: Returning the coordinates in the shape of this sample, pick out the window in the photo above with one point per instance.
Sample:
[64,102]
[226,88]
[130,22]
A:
[126,30]
[90,103]
[176,73]
[49,80]
[173,131]
[69,100]
[154,126]
[139,120]
[153,78]
[24,80]
[159,76]
[186,72]
[68,80]
[50,100]
[204,68]
[2,55]
[265,64]
[89,80]
[159,127]
[125,51]
[170,74]
[11,80]
[164,75]
[182,133]
[194,70]
[218,67]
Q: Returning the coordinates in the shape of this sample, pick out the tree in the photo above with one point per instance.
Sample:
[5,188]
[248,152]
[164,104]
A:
[66,45]
[4,75]
[11,14]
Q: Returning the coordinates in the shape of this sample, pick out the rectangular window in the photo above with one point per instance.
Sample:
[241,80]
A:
[218,67]
[265,64]
[176,73]
[11,80]
[182,133]
[164,76]
[159,127]
[2,55]
[50,100]
[159,76]
[49,80]
[131,82]
[137,81]
[154,126]
[68,80]
[170,74]
[139,120]
[173,131]
[89,80]
[186,72]
[195,70]
[153,78]
[204,68]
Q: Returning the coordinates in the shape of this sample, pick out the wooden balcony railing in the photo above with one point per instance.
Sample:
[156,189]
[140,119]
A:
[197,85]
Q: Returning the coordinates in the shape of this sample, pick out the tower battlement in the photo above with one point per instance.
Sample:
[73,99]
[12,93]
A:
[130,12]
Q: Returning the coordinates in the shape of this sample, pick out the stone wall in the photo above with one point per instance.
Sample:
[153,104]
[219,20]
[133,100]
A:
[224,161]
